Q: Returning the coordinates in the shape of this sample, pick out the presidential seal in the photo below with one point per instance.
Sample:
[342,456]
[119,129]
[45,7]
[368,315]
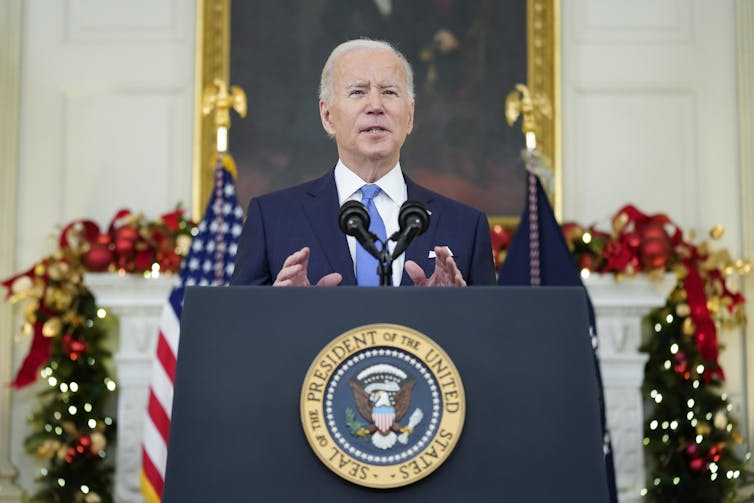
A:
[382,406]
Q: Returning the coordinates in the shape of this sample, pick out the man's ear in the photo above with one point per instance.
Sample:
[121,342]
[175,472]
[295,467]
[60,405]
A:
[411,117]
[324,115]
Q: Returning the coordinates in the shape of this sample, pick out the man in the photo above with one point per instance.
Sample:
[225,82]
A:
[292,238]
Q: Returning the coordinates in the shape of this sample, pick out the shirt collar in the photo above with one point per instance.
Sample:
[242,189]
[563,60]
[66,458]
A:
[348,183]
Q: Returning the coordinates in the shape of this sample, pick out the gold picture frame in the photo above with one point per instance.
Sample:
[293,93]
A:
[213,61]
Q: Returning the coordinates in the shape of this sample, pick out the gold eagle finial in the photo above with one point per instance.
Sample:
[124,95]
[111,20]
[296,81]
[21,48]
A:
[529,105]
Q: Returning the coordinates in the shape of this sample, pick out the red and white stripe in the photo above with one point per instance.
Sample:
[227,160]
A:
[157,424]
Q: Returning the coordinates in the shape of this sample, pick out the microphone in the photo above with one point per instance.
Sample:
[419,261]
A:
[354,221]
[413,219]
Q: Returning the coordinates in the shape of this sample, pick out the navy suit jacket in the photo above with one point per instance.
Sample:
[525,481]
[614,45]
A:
[282,222]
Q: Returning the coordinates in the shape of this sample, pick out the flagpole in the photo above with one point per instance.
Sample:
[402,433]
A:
[520,102]
[209,262]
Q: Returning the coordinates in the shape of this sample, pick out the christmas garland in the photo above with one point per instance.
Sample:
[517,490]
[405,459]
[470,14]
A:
[692,442]
[690,436]
[71,427]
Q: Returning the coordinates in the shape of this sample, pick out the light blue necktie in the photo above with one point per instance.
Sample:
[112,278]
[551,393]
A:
[366,264]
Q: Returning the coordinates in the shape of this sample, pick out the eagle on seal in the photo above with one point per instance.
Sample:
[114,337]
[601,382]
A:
[383,411]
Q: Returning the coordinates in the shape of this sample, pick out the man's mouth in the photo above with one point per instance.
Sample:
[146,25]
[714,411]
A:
[374,130]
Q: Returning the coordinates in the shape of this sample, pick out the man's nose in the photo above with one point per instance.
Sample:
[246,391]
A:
[375,105]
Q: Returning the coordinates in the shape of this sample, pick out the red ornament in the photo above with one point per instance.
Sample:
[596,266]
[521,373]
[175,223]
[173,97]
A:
[654,246]
[98,258]
[74,348]
[572,232]
[588,261]
[714,453]
[697,466]
[692,450]
[126,233]
[144,259]
[680,363]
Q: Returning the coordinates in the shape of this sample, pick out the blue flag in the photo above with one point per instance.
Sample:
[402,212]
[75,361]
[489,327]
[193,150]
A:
[549,263]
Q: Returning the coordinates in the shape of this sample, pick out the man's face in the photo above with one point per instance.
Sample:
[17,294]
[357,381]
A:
[371,112]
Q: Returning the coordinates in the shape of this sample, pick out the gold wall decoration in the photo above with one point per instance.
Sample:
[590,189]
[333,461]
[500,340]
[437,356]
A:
[543,78]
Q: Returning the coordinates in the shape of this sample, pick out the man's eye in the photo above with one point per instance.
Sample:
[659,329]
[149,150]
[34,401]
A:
[390,92]
[355,92]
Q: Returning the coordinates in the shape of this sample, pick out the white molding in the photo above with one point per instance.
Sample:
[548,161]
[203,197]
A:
[10,74]
[745,64]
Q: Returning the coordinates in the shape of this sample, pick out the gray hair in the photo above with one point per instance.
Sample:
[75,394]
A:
[326,82]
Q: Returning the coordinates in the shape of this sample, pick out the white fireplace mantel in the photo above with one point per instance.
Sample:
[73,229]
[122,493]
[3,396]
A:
[619,306]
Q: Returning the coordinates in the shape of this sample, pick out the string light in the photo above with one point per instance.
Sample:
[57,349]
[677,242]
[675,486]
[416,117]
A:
[61,482]
[74,386]
[110,384]
[92,424]
[690,403]
[674,347]
[658,327]
[586,237]
[101,313]
[669,318]
[63,387]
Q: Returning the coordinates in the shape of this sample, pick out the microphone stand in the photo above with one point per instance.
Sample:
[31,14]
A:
[385,267]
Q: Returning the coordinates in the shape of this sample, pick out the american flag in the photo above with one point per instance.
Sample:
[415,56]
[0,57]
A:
[210,262]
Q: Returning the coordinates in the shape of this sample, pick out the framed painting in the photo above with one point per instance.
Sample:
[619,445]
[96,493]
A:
[466,55]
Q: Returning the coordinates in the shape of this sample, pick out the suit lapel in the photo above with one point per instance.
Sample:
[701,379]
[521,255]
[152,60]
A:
[321,210]
[419,250]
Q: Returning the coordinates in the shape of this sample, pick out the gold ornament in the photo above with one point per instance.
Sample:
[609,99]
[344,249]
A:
[688,327]
[720,420]
[98,441]
[182,245]
[52,327]
[40,269]
[22,284]
[48,448]
[69,427]
[58,270]
[92,497]
[703,428]
[682,310]
[619,222]
[717,232]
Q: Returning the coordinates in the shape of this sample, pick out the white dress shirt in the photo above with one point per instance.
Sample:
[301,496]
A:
[392,195]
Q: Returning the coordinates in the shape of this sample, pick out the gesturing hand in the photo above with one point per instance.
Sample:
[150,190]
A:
[446,271]
[293,272]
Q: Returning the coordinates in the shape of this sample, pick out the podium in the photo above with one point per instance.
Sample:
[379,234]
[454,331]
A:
[532,429]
